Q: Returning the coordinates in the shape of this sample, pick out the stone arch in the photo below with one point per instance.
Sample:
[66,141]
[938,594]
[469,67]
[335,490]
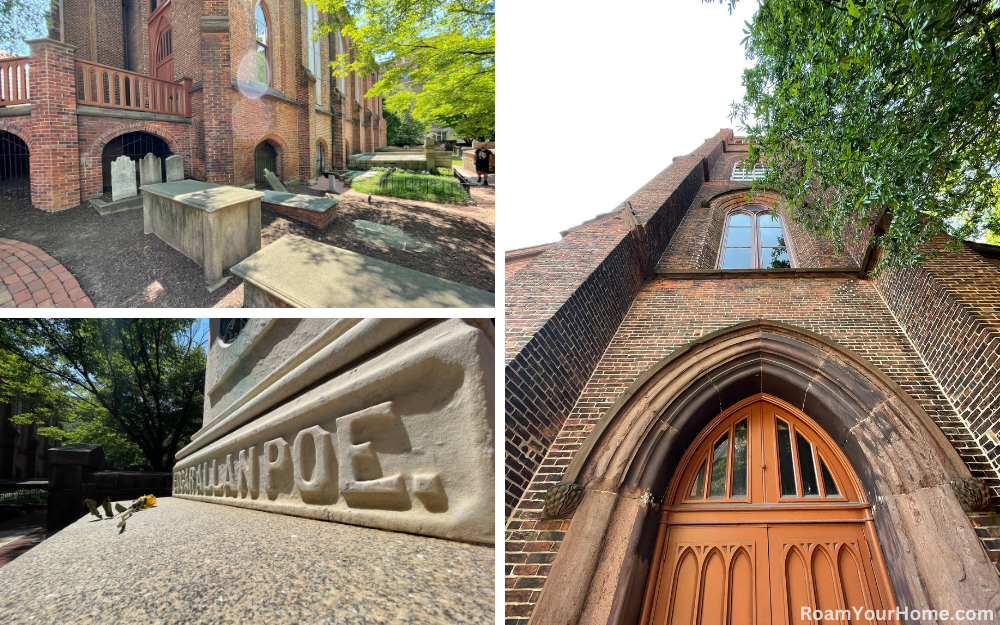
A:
[327,155]
[902,459]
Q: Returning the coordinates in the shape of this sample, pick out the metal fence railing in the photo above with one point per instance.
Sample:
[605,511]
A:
[27,495]
[443,187]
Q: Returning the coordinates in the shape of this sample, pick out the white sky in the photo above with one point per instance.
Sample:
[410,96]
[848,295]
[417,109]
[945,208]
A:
[594,99]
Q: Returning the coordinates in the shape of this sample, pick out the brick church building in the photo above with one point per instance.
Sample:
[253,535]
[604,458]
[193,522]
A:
[232,87]
[711,417]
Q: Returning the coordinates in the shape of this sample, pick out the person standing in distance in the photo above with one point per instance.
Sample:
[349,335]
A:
[483,156]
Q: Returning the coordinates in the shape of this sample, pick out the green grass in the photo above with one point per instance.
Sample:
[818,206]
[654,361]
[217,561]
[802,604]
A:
[457,162]
[34,495]
[442,189]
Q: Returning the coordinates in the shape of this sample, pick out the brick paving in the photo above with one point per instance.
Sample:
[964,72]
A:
[33,279]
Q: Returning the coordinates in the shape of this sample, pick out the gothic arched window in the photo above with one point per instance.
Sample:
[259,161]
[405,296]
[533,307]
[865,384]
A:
[263,45]
[754,239]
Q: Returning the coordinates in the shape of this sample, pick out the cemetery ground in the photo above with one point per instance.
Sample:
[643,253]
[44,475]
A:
[117,265]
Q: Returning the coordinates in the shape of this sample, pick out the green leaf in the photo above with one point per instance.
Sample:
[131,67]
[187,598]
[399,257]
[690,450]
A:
[106,504]
[853,9]
[120,508]
[92,506]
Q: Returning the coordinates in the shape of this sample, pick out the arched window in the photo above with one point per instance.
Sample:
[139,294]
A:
[263,45]
[754,239]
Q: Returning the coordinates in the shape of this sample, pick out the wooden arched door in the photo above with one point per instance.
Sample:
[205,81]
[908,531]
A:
[765,517]
[161,42]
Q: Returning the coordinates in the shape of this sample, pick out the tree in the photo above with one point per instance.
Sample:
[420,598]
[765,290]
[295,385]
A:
[134,384]
[856,107]
[435,58]
[20,20]
[403,129]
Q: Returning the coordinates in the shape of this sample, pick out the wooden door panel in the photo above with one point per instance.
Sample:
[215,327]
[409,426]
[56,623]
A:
[713,576]
[823,567]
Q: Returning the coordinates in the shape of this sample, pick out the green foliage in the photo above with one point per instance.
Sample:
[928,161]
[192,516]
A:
[859,106]
[435,58]
[410,186]
[403,129]
[20,20]
[132,385]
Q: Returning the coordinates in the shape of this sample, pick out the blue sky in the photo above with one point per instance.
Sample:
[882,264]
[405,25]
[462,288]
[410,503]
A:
[595,99]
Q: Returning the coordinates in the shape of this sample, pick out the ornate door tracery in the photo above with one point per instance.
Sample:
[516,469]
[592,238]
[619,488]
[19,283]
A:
[764,517]
[161,45]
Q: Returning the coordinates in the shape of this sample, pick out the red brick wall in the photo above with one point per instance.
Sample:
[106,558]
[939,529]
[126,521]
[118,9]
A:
[563,307]
[669,314]
[96,132]
[217,96]
[94,27]
[950,309]
[55,161]
[137,16]
[186,32]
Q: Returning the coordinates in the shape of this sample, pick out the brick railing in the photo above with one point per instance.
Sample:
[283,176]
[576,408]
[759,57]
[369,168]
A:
[109,87]
[14,81]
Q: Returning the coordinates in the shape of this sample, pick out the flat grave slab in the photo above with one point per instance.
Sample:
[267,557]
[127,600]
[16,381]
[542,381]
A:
[302,273]
[109,208]
[191,562]
[216,226]
[315,211]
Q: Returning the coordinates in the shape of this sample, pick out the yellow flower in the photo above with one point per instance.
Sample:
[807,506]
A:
[150,501]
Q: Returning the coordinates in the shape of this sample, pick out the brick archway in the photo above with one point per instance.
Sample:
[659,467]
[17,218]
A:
[90,160]
[281,150]
[20,132]
[904,462]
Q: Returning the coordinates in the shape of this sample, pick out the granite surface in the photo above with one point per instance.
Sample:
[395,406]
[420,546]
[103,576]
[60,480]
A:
[191,562]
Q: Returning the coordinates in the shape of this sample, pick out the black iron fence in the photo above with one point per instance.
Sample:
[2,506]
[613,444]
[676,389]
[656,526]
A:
[15,178]
[443,188]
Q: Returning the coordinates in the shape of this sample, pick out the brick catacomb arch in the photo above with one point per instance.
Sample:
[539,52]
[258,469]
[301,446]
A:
[15,164]
[906,467]
[90,160]
[275,143]
[21,132]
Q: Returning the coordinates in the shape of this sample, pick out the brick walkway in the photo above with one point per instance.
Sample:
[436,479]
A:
[33,279]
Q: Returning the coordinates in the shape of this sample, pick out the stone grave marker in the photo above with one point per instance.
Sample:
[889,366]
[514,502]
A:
[273,181]
[122,179]
[149,170]
[175,168]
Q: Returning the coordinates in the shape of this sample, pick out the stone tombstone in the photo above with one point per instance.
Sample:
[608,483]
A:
[149,170]
[122,179]
[429,155]
[273,181]
[385,423]
[175,168]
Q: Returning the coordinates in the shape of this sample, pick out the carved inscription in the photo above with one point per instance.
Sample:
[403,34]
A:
[319,467]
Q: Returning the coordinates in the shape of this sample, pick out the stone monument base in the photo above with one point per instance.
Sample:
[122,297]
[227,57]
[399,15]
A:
[185,561]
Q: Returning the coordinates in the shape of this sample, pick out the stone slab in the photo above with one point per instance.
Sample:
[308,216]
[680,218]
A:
[215,226]
[149,170]
[308,274]
[123,178]
[109,208]
[295,200]
[274,182]
[402,441]
[206,196]
[175,168]
[189,562]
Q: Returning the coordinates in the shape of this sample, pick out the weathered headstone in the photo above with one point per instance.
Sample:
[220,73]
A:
[429,159]
[149,170]
[122,178]
[175,168]
[273,181]
[402,441]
